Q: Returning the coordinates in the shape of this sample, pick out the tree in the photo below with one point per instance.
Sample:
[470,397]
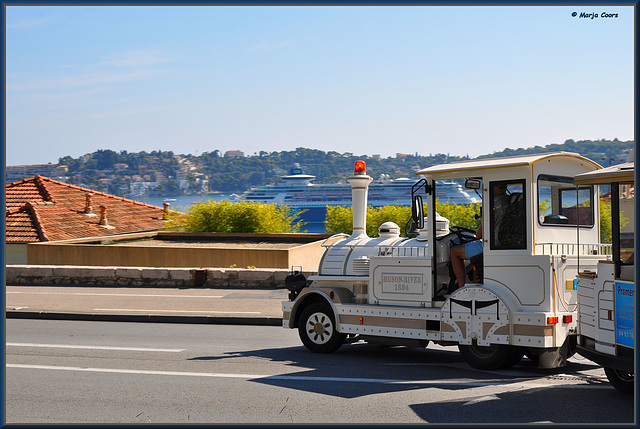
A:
[105,159]
[339,219]
[225,216]
[238,174]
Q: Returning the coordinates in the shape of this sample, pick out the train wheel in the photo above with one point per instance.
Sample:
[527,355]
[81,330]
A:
[495,356]
[621,380]
[317,329]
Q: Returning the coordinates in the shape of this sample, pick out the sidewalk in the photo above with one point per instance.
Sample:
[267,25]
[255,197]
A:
[145,304]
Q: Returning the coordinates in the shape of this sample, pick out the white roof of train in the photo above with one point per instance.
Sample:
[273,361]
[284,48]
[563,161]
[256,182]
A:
[502,162]
[621,173]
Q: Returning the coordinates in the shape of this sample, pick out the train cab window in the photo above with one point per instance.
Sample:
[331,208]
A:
[507,215]
[561,203]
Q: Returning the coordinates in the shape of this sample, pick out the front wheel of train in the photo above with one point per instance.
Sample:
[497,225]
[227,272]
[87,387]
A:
[495,356]
[317,329]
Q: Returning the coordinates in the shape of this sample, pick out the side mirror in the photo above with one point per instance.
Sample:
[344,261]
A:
[417,214]
[472,184]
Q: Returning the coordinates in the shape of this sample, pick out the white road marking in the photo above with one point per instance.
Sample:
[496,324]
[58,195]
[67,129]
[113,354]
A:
[518,385]
[69,346]
[118,294]
[176,311]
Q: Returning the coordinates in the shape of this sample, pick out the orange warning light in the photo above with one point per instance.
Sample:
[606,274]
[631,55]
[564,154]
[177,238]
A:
[360,167]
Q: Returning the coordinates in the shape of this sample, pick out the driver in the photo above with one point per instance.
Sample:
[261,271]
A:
[468,250]
[465,251]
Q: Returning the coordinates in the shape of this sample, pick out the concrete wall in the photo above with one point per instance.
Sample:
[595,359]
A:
[99,252]
[184,256]
[15,253]
[232,278]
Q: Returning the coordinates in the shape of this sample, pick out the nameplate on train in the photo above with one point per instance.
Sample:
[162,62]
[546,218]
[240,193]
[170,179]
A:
[402,283]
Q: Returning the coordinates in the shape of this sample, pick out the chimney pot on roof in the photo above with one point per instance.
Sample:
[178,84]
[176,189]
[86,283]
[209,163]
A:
[103,216]
[165,211]
[87,204]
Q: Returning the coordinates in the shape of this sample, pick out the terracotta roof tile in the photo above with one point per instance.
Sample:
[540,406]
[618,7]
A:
[43,209]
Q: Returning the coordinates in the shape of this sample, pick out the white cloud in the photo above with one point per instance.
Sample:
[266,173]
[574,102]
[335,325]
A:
[26,24]
[130,66]
[139,58]
[80,80]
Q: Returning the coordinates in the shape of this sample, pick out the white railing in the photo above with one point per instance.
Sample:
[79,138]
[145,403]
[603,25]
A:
[572,249]
[422,251]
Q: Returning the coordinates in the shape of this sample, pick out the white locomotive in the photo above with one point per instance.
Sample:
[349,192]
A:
[521,298]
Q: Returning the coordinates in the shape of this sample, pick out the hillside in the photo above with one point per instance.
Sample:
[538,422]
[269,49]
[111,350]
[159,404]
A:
[166,173]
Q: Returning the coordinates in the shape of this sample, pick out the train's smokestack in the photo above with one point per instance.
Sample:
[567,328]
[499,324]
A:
[359,193]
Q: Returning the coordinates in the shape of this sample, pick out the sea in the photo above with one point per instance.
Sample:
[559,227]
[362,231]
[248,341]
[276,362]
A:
[181,203]
[314,218]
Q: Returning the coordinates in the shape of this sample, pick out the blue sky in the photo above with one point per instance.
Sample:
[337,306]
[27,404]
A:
[464,80]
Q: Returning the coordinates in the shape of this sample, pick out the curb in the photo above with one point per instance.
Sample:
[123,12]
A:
[146,318]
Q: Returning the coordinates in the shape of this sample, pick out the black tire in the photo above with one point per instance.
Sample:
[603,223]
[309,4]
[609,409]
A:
[495,356]
[317,329]
[517,353]
[572,345]
[621,380]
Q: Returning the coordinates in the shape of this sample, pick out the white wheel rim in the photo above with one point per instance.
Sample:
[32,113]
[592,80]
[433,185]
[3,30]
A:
[319,328]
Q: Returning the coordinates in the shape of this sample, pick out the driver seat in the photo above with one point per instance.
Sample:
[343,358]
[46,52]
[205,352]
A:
[478,268]
[476,275]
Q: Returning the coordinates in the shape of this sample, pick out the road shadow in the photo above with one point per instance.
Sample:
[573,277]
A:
[379,369]
[541,405]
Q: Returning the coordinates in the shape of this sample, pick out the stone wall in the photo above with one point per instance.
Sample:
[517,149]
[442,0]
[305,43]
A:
[233,278]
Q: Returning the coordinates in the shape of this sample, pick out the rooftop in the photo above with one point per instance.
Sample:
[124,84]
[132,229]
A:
[43,209]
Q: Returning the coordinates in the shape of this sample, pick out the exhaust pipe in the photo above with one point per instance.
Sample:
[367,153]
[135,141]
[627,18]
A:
[359,194]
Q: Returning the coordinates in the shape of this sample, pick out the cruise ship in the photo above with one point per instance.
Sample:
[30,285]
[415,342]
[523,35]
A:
[297,191]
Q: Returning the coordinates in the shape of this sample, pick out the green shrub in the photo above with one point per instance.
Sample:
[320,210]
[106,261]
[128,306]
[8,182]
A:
[243,216]
[401,215]
[605,221]
[460,215]
[340,219]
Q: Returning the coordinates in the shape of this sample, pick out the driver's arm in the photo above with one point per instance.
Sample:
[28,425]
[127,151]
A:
[479,232]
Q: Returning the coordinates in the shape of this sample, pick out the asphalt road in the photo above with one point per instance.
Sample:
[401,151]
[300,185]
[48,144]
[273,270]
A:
[112,372]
